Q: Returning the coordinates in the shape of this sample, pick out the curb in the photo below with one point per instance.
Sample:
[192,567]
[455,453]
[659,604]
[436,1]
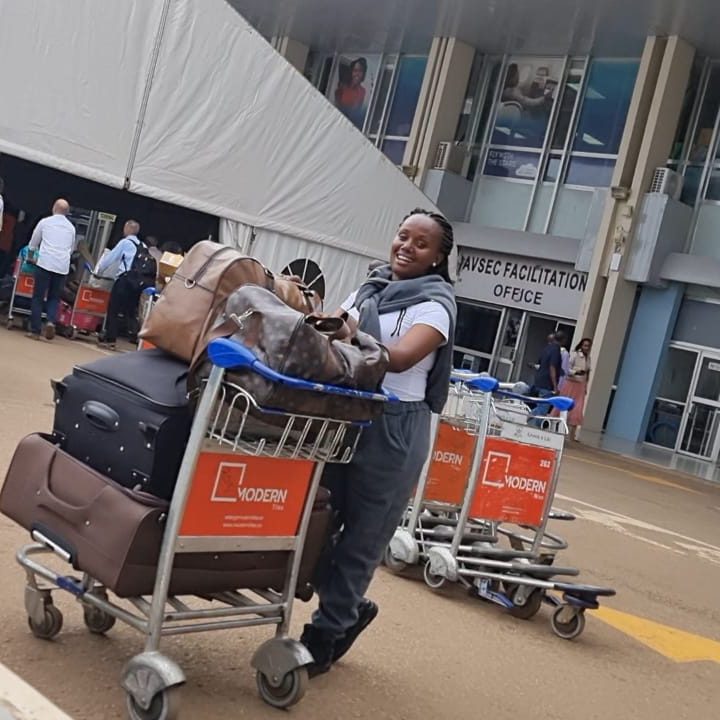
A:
[20,701]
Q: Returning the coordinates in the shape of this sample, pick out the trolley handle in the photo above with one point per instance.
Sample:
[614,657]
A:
[228,354]
[150,291]
[556,402]
[90,269]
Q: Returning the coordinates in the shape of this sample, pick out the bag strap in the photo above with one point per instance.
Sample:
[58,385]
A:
[204,267]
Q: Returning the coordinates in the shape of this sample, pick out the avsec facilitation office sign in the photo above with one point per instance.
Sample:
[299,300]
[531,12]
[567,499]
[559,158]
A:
[544,287]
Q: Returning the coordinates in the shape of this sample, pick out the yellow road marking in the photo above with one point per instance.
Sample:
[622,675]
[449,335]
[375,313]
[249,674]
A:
[648,478]
[670,642]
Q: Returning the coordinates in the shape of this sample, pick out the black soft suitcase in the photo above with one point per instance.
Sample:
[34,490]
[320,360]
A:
[127,416]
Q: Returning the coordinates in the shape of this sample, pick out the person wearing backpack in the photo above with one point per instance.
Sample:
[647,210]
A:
[136,270]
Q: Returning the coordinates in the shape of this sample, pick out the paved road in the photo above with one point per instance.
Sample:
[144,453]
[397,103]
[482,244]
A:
[653,536]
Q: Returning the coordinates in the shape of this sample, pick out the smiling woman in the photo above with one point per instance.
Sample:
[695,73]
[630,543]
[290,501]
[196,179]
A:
[409,305]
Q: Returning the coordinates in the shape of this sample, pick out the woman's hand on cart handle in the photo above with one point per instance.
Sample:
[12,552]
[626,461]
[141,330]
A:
[151,291]
[227,354]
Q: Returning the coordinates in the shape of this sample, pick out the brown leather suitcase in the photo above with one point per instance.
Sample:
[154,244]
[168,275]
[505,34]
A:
[114,533]
[183,320]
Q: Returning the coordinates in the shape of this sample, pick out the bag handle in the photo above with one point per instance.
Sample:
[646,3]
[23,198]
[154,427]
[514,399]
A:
[192,281]
[334,328]
[76,514]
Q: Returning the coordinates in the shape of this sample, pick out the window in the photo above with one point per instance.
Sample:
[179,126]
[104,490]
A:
[477,109]
[541,96]
[377,93]
[695,152]
[601,122]
[477,328]
[605,106]
[530,90]
[309,272]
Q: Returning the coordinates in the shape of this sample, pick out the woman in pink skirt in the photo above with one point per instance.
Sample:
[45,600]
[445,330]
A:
[574,384]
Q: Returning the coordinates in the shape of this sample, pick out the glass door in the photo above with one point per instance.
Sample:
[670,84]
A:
[510,338]
[701,424]
[475,336]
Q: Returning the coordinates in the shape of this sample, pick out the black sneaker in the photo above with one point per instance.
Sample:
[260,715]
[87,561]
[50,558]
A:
[367,612]
[321,644]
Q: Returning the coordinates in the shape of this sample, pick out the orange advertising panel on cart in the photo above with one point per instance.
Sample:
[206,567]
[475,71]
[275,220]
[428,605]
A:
[515,483]
[92,300]
[237,495]
[450,467]
[25,285]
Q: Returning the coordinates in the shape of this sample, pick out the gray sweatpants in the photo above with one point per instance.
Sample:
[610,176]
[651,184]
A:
[369,496]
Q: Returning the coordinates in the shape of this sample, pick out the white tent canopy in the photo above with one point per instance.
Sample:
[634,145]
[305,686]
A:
[181,100]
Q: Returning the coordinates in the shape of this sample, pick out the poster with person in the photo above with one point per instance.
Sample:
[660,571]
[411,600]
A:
[530,90]
[352,85]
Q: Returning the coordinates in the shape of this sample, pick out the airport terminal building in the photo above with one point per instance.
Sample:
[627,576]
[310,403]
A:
[574,145]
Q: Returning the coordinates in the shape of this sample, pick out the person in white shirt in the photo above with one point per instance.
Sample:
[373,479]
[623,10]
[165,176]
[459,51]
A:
[125,295]
[54,239]
[408,305]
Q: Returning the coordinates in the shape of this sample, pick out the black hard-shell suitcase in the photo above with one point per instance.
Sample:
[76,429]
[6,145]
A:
[127,416]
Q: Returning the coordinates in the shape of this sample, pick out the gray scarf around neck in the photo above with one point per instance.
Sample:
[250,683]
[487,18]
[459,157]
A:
[380,294]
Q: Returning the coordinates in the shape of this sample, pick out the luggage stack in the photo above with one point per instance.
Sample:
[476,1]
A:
[100,484]
[152,486]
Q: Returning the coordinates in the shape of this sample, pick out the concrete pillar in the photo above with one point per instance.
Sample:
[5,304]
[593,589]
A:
[644,355]
[650,130]
[440,104]
[296,53]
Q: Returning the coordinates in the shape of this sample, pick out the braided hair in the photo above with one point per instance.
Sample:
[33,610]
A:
[448,241]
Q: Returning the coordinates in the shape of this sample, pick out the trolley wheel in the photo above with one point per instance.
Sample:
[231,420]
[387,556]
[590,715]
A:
[50,626]
[97,621]
[393,564]
[164,706]
[70,332]
[532,605]
[289,692]
[10,324]
[567,626]
[431,579]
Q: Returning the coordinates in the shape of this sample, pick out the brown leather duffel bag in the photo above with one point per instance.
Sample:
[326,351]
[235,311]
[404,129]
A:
[183,320]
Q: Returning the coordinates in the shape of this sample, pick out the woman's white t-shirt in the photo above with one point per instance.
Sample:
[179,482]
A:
[409,386]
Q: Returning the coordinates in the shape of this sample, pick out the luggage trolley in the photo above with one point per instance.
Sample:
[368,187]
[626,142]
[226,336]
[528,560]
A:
[237,491]
[150,296]
[21,296]
[439,496]
[493,465]
[88,312]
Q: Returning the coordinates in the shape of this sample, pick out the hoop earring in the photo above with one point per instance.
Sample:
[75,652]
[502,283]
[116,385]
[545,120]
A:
[435,264]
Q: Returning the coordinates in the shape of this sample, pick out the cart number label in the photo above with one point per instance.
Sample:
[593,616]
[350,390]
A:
[450,467]
[532,436]
[515,483]
[240,496]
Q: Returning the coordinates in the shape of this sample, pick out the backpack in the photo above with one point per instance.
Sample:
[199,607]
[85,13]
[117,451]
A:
[144,266]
